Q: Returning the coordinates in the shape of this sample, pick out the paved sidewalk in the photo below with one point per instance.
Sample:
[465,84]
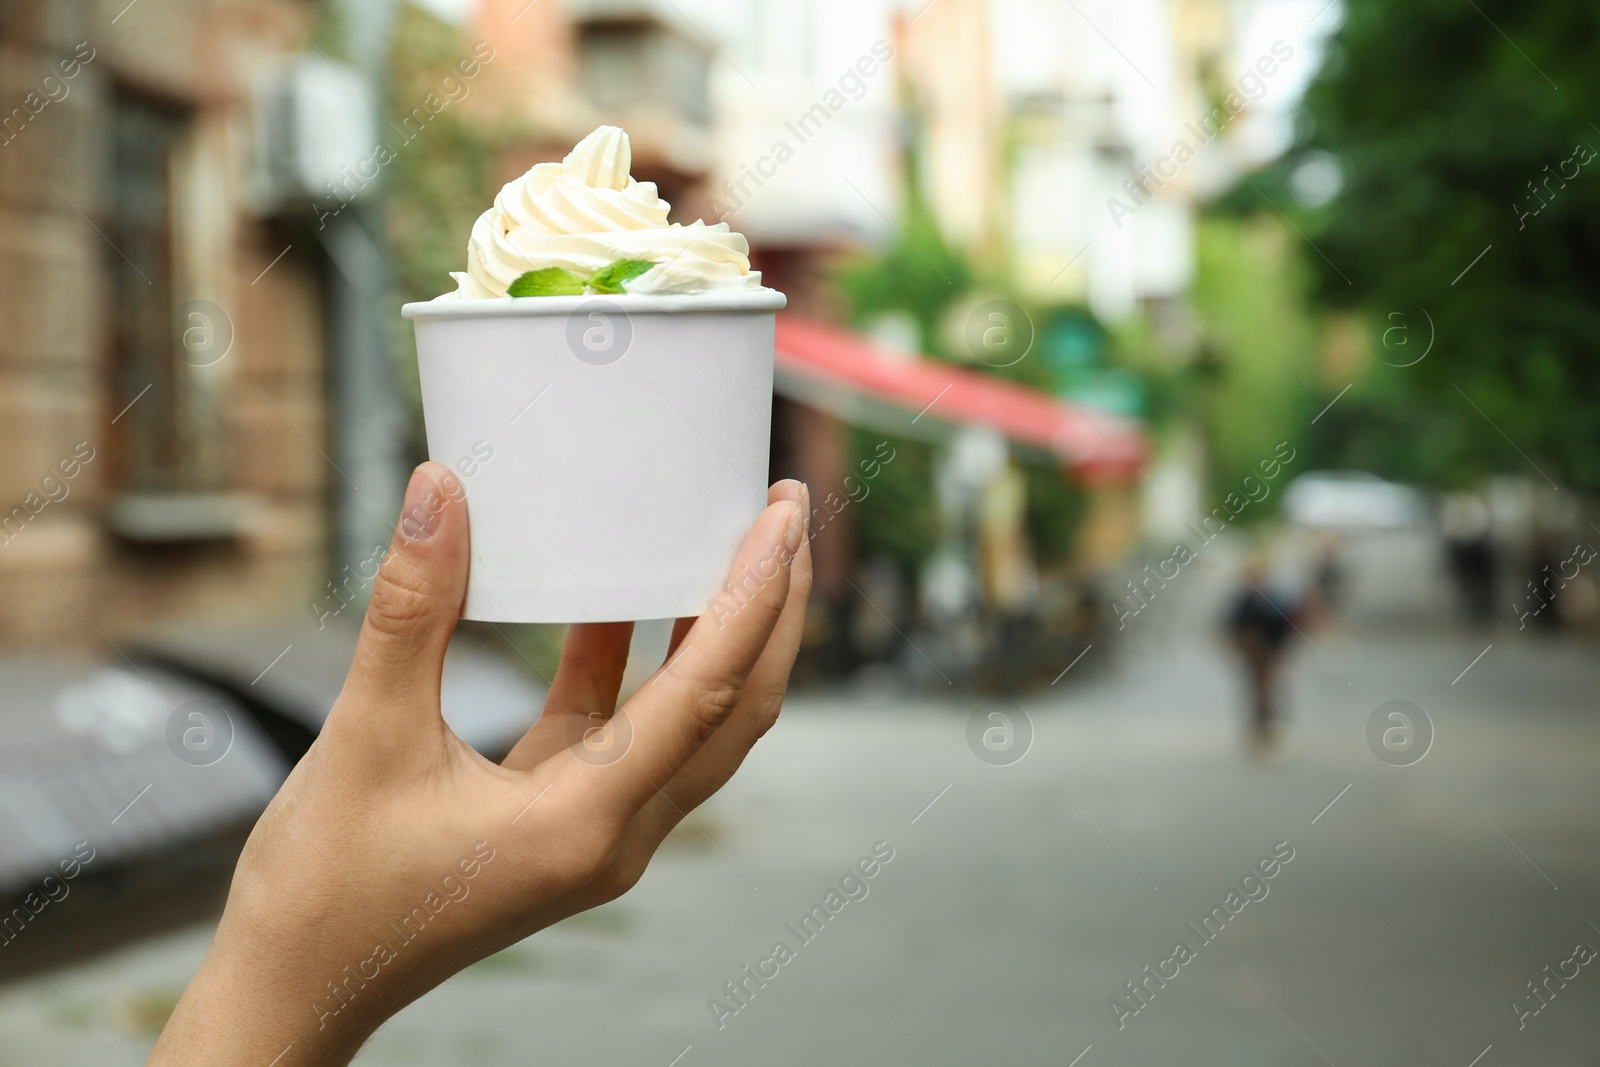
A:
[1020,900]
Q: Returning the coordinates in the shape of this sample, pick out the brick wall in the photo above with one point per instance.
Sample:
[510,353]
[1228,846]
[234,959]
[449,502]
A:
[64,576]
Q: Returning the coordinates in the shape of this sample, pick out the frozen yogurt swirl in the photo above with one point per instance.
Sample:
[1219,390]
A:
[586,212]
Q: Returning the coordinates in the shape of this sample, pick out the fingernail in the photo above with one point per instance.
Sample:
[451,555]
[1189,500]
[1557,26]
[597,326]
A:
[419,515]
[805,504]
[793,531]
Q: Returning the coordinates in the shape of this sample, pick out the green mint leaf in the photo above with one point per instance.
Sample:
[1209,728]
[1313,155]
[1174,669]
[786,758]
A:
[609,278]
[551,281]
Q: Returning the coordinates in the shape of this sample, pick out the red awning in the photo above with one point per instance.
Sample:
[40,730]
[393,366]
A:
[852,376]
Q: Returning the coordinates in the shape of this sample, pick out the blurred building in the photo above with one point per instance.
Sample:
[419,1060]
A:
[1027,153]
[1077,115]
[818,106]
[217,395]
[168,312]
[1111,121]
[163,344]
[561,69]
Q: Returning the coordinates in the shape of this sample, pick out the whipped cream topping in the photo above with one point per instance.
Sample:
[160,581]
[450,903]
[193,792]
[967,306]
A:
[586,212]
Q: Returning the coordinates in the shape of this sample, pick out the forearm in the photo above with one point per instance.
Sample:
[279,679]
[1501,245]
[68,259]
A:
[253,1013]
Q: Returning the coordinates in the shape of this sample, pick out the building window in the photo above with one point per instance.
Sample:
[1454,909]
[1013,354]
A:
[169,439]
[632,65]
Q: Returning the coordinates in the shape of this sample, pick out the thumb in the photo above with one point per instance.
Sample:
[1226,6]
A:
[416,598]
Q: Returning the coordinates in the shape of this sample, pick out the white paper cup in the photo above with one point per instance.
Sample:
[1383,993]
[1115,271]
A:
[613,449]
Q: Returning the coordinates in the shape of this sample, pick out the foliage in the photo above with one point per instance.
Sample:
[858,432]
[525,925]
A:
[1453,141]
[1056,508]
[899,517]
[612,277]
[1379,427]
[1255,378]
[1170,387]
[548,281]
[919,272]
[438,182]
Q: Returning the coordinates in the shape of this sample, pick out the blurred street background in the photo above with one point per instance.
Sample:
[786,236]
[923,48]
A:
[1197,398]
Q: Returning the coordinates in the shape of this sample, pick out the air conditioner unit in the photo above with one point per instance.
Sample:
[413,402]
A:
[315,134]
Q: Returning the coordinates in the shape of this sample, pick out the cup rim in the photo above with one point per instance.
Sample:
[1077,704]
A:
[515,307]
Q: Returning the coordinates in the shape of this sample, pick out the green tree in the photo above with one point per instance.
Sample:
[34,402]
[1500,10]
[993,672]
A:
[438,182]
[898,518]
[1464,131]
[1256,375]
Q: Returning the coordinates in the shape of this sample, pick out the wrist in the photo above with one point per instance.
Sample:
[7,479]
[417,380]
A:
[252,1005]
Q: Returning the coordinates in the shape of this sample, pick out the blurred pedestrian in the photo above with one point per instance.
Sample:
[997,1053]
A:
[1545,580]
[1010,580]
[1259,623]
[1474,559]
[1328,579]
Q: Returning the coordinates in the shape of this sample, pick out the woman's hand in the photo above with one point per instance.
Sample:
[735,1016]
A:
[395,855]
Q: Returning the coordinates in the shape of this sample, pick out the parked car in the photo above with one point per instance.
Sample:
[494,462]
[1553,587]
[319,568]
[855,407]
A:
[1352,501]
